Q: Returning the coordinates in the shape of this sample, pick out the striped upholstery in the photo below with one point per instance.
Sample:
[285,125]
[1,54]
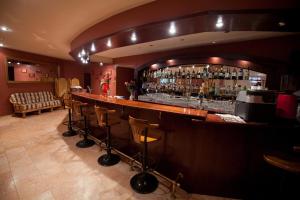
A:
[30,101]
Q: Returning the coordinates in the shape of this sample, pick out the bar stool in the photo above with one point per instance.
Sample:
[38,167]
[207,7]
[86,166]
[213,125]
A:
[143,182]
[83,110]
[288,163]
[106,120]
[68,104]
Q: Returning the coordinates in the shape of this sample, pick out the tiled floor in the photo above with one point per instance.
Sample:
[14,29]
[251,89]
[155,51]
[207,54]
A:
[36,162]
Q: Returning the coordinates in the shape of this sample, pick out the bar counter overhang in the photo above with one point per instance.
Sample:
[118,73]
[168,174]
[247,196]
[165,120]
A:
[215,157]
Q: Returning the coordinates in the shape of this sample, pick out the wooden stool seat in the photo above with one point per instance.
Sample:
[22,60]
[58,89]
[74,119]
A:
[149,139]
[290,163]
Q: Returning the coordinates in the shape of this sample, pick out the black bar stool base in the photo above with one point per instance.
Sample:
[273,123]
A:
[144,183]
[69,133]
[108,160]
[85,143]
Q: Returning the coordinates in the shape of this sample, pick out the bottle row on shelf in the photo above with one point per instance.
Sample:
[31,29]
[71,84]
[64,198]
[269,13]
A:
[213,72]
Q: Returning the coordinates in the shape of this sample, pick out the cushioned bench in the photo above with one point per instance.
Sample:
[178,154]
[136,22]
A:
[33,101]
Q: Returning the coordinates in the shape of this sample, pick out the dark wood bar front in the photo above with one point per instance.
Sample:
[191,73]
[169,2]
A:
[215,157]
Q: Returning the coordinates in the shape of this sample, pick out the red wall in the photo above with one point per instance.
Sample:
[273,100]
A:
[69,69]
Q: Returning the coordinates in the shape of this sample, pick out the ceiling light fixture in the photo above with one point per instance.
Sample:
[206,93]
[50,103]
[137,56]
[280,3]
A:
[172,29]
[1,45]
[207,66]
[133,37]
[219,23]
[108,43]
[4,28]
[84,56]
[281,23]
[101,63]
[93,48]
[18,63]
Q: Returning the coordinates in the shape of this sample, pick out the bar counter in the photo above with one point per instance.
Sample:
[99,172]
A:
[215,157]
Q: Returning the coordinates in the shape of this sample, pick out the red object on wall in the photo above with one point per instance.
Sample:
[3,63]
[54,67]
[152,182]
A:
[105,87]
[286,106]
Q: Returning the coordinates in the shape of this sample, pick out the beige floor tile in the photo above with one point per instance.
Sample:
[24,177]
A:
[7,187]
[42,196]
[31,186]
[24,172]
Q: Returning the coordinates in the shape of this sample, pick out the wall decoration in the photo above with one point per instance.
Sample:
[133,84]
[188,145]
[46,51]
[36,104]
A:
[24,70]
[31,75]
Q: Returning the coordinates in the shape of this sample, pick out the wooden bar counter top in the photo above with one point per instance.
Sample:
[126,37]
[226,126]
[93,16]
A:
[144,105]
[215,157]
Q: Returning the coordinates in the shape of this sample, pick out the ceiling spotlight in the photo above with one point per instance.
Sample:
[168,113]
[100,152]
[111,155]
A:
[219,23]
[101,63]
[108,43]
[93,48]
[18,63]
[4,28]
[83,52]
[1,44]
[281,23]
[172,29]
[133,37]
[9,62]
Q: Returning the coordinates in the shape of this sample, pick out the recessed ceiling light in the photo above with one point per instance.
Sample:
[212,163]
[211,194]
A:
[9,62]
[108,43]
[172,29]
[18,63]
[133,37]
[219,23]
[1,44]
[93,48]
[4,28]
[83,52]
[101,63]
[281,23]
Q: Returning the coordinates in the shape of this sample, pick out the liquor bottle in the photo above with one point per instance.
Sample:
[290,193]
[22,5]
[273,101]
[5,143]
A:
[215,73]
[221,74]
[246,74]
[183,73]
[233,74]
[199,74]
[227,74]
[210,74]
[188,74]
[240,74]
[179,74]
[193,74]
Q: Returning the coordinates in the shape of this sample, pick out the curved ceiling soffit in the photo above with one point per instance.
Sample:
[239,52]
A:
[209,21]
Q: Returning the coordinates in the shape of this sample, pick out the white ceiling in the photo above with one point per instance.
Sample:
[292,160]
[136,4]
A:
[47,27]
[197,39]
